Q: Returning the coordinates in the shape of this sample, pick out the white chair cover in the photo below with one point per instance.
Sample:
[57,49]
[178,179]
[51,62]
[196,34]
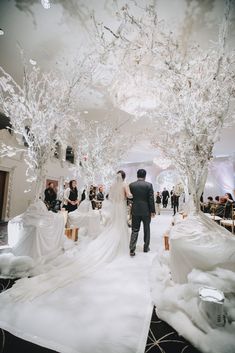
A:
[37,232]
[86,219]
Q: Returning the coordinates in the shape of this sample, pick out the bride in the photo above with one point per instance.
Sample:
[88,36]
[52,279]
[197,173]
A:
[111,243]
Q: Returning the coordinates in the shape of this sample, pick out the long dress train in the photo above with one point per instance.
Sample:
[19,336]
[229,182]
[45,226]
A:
[111,243]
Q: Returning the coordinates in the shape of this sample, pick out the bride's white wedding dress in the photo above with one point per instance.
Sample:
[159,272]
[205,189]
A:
[111,243]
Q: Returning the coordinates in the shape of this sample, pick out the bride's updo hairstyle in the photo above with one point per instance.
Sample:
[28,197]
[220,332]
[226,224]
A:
[123,174]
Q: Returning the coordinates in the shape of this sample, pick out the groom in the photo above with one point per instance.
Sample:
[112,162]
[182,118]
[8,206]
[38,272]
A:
[143,208]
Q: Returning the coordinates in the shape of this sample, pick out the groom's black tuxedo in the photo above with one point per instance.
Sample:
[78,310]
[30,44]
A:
[142,207]
[143,198]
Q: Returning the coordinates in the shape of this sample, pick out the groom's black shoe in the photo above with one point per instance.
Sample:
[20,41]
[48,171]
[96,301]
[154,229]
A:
[146,250]
[132,253]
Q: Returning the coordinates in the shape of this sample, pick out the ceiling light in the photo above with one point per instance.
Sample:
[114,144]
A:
[1,32]
[46,4]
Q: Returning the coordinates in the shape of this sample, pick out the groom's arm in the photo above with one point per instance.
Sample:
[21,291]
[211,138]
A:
[128,193]
[151,200]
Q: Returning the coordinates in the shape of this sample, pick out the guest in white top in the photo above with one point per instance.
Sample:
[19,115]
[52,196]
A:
[72,196]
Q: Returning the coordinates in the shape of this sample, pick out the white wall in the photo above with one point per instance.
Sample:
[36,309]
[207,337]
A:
[18,199]
[220,177]
[219,181]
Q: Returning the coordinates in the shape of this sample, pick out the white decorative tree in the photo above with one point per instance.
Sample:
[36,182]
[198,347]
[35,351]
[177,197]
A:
[99,148]
[41,113]
[195,103]
[196,107]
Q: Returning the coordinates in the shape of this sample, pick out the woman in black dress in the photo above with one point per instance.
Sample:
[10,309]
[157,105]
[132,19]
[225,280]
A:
[228,213]
[73,196]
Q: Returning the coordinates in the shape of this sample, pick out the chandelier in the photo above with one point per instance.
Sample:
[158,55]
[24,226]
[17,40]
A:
[134,90]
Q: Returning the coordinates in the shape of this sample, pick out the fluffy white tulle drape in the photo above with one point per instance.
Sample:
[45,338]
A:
[202,254]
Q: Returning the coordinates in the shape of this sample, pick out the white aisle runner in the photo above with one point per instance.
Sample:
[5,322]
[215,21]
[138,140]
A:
[108,312]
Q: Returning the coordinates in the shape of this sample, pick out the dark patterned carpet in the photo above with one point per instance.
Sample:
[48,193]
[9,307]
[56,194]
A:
[161,337]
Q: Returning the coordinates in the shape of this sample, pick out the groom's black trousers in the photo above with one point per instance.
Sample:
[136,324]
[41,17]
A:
[136,221]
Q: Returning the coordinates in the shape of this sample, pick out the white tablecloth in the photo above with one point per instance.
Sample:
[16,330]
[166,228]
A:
[37,232]
[215,218]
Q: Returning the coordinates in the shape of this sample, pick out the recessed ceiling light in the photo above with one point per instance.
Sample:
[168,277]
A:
[46,4]
[85,112]
[1,32]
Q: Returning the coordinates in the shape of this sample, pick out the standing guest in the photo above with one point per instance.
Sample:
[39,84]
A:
[171,193]
[228,213]
[202,202]
[175,200]
[66,191]
[201,197]
[165,197]
[143,208]
[92,196]
[50,195]
[72,196]
[229,197]
[83,196]
[91,193]
[158,202]
[220,210]
[100,195]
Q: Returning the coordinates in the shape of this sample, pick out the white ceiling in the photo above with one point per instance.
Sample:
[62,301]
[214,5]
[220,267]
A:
[53,37]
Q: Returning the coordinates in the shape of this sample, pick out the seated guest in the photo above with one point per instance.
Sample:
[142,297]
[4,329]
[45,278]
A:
[50,196]
[217,199]
[209,205]
[220,210]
